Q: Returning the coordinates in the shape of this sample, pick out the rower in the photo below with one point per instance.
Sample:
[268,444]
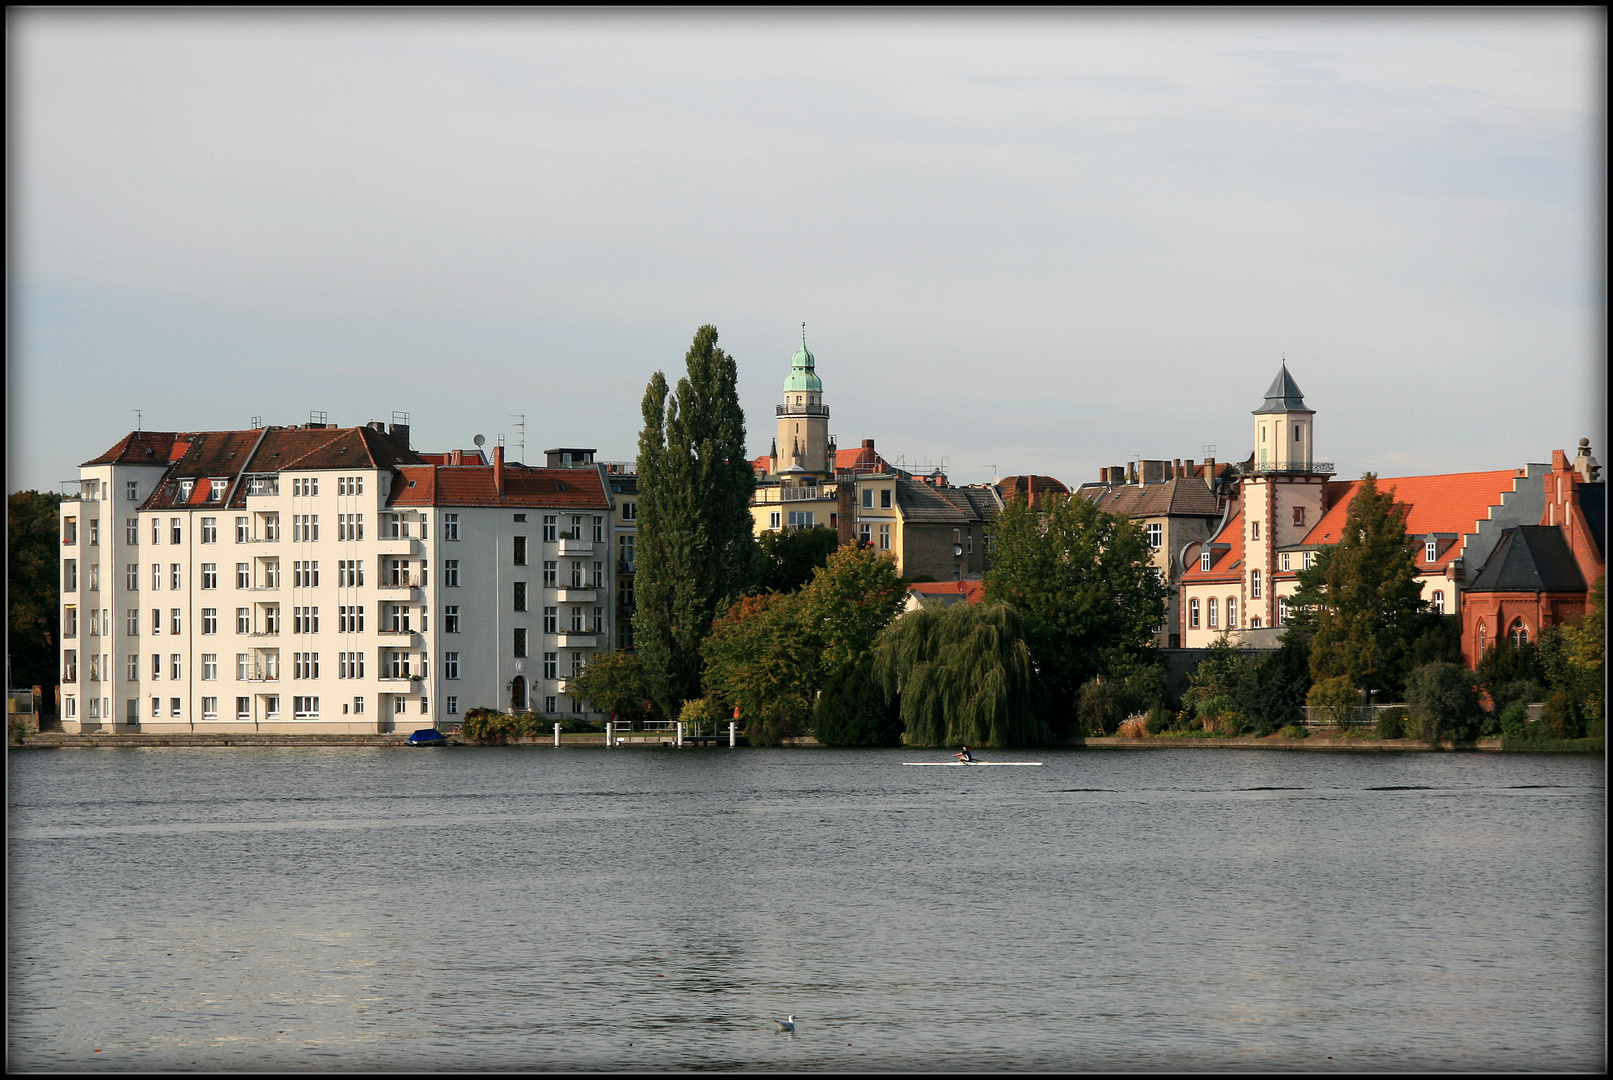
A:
[964,756]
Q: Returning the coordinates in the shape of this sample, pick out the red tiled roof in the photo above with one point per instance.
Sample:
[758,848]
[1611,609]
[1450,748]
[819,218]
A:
[145,448]
[1452,503]
[1227,562]
[472,485]
[973,592]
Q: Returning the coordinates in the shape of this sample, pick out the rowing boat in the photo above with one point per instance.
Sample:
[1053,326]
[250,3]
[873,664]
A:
[960,764]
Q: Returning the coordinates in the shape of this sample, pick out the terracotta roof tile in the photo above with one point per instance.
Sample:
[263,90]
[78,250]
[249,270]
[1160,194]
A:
[1451,503]
[472,485]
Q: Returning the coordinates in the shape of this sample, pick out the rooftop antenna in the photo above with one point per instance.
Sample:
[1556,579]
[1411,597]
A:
[137,416]
[520,432]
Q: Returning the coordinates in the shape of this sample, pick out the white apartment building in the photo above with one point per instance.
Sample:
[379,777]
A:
[321,579]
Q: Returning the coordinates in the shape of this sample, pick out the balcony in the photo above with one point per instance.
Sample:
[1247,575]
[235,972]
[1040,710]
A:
[575,545]
[576,594]
[404,583]
[800,410]
[391,632]
[577,640]
[1314,468]
[398,545]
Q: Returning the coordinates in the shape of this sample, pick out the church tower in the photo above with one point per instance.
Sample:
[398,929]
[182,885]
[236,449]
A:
[801,448]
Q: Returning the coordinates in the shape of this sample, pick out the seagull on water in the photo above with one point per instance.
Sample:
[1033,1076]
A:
[787,1024]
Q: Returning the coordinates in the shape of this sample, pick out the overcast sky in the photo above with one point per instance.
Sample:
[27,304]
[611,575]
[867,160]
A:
[1042,242]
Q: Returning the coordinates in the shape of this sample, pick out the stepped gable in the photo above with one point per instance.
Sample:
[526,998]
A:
[1176,496]
[921,503]
[476,485]
[145,448]
[1451,504]
[1530,558]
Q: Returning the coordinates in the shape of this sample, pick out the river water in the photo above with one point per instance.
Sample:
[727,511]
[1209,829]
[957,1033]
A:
[387,909]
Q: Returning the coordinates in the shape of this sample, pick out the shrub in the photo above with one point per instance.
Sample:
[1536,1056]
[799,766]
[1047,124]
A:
[486,725]
[1443,698]
[852,711]
[1392,723]
[1293,731]
[1562,717]
[700,716]
[1335,699]
[1514,721]
[1159,719]
[1098,708]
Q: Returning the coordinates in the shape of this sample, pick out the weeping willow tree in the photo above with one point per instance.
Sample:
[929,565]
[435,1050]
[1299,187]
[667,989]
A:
[964,676]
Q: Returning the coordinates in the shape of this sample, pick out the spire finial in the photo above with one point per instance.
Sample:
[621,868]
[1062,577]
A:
[803,335]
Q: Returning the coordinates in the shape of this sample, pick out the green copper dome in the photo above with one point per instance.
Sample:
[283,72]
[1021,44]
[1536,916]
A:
[803,378]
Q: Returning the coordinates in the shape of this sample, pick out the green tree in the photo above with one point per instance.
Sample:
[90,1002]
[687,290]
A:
[614,682]
[789,557]
[963,675]
[1371,610]
[33,588]
[1086,585]
[853,710]
[1276,688]
[764,658]
[851,598]
[696,554]
[1444,701]
[1305,603]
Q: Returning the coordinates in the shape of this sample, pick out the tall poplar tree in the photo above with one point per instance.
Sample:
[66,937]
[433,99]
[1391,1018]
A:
[1371,606]
[696,554]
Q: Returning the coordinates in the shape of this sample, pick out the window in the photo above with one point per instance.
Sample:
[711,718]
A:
[884,498]
[131,622]
[243,620]
[1431,551]
[156,530]
[350,619]
[271,526]
[243,666]
[1232,613]
[156,620]
[1296,433]
[173,529]
[349,485]
[131,531]
[350,665]
[549,705]
[630,511]
[271,618]
[576,573]
[865,534]
[576,620]
[243,530]
[131,490]
[209,575]
[209,666]
[884,538]
[550,620]
[349,573]
[95,532]
[305,708]
[1439,602]
[1519,633]
[599,530]
[176,612]
[398,665]
[95,577]
[772,520]
[628,545]
[450,573]
[1282,611]
[131,667]
[131,576]
[305,665]
[70,665]
[548,528]
[1254,584]
[1205,560]
[1284,558]
[176,665]
[450,665]
[95,622]
[271,706]
[551,665]
[450,619]
[451,706]
[599,620]
[305,574]
[519,555]
[1482,634]
[69,575]
[349,526]
[95,667]
[551,573]
[176,576]
[599,575]
[1299,515]
[520,641]
[209,530]
[358,705]
[305,620]
[1156,534]
[1254,530]
[450,526]
[520,596]
[70,530]
[304,528]
[243,708]
[1210,613]
[576,669]
[307,486]
[209,620]
[1307,559]
[868,498]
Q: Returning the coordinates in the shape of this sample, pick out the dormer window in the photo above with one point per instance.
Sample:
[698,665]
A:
[217,494]
[1431,551]
[1204,561]
[185,488]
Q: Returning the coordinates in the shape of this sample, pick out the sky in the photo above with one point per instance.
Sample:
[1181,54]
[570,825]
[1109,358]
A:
[1043,241]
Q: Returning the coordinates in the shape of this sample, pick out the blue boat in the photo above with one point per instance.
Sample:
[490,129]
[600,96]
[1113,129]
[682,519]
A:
[428,737]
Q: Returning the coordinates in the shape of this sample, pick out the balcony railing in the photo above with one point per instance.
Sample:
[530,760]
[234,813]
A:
[573,545]
[404,582]
[1302,467]
[801,410]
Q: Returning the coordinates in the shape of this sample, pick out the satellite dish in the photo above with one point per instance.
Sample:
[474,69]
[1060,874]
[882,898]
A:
[479,440]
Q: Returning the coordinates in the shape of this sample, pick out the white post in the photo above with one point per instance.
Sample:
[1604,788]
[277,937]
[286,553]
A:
[680,732]
[610,733]
[731,727]
[557,734]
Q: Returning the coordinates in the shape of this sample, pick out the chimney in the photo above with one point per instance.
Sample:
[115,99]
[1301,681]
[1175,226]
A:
[1176,468]
[455,457]
[1153,472]
[1030,490]
[498,470]
[401,432]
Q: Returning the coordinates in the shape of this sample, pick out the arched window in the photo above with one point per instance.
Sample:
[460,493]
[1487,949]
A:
[1232,613]
[1481,637]
[1193,614]
[1519,633]
[1439,602]
[1210,604]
